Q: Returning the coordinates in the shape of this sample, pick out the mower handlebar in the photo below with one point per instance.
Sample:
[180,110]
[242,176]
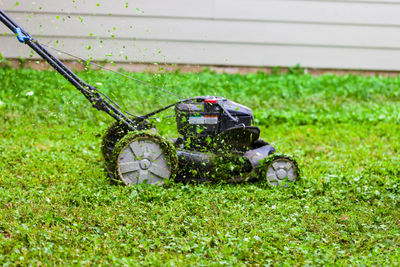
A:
[89,91]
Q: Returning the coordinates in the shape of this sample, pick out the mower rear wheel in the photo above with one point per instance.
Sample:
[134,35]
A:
[115,132]
[144,157]
[281,170]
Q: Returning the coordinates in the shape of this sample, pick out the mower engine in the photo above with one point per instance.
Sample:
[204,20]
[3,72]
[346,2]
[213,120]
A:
[209,116]
[214,122]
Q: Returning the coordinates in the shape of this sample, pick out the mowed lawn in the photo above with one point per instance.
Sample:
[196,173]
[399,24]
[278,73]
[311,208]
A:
[57,205]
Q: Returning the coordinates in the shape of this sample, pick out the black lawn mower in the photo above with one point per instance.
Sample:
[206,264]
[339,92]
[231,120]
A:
[218,141]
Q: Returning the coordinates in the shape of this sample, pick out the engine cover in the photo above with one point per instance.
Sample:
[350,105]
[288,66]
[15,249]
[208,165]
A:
[204,116]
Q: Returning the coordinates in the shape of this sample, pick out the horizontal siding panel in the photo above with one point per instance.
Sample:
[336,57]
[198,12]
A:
[332,12]
[386,2]
[214,53]
[353,34]
[210,31]
[302,11]
[203,8]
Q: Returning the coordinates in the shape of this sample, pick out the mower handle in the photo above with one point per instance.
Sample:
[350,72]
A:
[89,91]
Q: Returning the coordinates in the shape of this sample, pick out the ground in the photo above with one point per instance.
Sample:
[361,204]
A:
[57,205]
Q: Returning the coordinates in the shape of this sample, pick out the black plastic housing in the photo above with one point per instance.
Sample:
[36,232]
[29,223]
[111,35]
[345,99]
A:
[210,115]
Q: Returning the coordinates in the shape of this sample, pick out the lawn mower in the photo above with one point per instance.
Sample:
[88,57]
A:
[217,141]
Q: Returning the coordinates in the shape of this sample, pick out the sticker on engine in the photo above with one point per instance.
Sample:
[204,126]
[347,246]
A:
[203,119]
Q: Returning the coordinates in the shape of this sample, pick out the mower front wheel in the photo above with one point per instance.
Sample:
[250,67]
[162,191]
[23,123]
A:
[280,170]
[144,157]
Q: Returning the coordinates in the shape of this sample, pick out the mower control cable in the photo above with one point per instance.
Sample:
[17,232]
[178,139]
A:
[89,91]
[227,112]
[143,117]
[114,71]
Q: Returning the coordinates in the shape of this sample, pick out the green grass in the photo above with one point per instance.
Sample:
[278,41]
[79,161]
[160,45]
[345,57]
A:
[58,207]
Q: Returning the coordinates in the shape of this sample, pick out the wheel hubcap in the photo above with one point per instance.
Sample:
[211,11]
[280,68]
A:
[144,164]
[281,174]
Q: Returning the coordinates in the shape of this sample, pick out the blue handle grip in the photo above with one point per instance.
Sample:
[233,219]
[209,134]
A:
[20,36]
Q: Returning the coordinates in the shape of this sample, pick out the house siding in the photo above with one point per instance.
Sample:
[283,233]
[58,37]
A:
[316,34]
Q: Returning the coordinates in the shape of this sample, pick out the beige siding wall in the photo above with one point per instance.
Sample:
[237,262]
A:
[315,33]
